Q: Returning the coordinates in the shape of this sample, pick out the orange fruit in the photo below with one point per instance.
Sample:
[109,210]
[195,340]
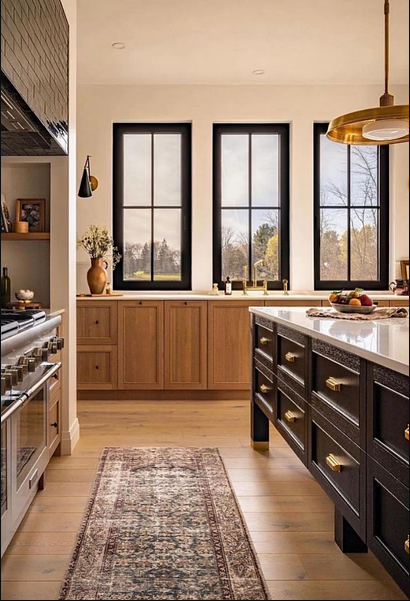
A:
[355,302]
[333,298]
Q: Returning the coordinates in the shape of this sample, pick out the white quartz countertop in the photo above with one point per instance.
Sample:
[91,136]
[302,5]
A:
[384,342]
[237,295]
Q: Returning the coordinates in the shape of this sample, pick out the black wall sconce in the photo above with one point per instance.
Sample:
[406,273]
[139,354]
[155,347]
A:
[89,183]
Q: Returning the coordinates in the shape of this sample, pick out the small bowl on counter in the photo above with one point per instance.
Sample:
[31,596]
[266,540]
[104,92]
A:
[24,295]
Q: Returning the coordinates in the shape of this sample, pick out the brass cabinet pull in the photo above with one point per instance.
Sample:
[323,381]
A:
[334,385]
[334,464]
[290,417]
[407,545]
[264,341]
[407,433]
[265,389]
[290,357]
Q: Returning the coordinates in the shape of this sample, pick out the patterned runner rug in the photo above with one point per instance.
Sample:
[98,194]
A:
[163,524]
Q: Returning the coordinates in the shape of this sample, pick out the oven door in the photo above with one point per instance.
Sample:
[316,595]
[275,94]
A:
[6,518]
[29,429]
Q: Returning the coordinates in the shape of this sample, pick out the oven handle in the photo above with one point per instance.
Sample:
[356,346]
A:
[26,396]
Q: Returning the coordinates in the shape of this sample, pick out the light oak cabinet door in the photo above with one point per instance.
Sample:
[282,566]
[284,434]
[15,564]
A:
[97,322]
[186,345]
[284,301]
[141,345]
[97,368]
[54,425]
[229,344]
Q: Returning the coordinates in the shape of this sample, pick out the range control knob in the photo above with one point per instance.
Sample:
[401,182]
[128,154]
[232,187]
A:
[8,380]
[17,372]
[31,364]
[37,355]
[59,341]
[23,362]
[14,376]
[53,347]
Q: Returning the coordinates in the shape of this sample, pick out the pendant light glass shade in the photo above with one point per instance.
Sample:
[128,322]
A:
[383,125]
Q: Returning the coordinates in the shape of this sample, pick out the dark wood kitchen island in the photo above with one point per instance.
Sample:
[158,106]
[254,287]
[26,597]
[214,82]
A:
[338,392]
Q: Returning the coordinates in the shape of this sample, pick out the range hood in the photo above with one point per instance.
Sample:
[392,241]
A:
[22,133]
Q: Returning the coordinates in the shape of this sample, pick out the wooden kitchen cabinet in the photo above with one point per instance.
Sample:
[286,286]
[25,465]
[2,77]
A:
[97,322]
[97,367]
[229,344]
[286,301]
[186,345]
[141,345]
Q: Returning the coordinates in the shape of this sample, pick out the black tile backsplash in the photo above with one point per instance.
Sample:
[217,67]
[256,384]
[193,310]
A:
[34,63]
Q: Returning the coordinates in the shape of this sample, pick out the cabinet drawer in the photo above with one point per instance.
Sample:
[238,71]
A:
[388,421]
[55,383]
[97,368]
[97,322]
[292,353]
[54,428]
[291,419]
[388,527]
[340,467]
[336,381]
[264,340]
[265,390]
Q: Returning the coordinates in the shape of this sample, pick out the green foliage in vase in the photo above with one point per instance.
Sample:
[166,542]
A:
[98,244]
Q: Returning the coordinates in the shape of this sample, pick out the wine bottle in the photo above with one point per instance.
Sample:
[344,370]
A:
[5,287]
[228,287]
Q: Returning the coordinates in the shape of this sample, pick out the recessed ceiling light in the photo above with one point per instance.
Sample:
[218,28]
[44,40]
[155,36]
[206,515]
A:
[259,72]
[118,45]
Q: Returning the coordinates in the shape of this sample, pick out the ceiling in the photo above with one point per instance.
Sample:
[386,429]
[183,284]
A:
[223,41]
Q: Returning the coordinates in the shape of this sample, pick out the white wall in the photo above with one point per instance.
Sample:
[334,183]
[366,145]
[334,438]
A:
[101,106]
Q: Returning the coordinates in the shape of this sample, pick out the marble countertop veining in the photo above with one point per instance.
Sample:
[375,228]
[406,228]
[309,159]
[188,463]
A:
[384,342]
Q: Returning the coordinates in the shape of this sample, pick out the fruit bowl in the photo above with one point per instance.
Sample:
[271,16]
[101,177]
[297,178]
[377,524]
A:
[353,309]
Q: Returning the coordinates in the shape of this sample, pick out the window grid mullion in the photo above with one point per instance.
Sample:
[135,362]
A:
[250,216]
[152,206]
[349,213]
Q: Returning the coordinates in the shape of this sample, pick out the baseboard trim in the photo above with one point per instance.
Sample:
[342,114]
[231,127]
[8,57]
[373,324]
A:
[163,395]
[70,438]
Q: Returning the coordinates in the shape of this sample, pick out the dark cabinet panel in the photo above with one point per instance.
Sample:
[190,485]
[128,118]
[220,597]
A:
[291,419]
[388,524]
[338,386]
[265,388]
[388,420]
[292,357]
[340,467]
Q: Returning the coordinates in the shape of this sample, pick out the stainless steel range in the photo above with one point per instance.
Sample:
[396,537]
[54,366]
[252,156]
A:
[29,343]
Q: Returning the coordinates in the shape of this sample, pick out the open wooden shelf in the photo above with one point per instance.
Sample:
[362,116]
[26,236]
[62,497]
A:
[30,236]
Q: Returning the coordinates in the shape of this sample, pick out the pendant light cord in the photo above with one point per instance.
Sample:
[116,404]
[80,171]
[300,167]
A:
[387,44]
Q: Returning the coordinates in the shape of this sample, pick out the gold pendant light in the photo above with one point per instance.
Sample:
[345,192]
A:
[386,124]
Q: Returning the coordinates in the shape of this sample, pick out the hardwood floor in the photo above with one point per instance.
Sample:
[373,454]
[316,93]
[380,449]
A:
[289,517]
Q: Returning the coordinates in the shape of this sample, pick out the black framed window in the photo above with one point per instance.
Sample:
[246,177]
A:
[251,203]
[351,215]
[152,206]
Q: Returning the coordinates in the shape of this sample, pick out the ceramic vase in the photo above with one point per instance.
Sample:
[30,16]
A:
[97,276]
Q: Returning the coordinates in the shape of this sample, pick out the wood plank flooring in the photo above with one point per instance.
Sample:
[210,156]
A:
[290,519]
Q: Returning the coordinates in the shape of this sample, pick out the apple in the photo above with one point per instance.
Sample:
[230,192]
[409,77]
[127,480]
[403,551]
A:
[366,301]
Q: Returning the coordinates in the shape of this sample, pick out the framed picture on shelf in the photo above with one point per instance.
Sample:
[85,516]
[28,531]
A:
[5,216]
[33,212]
